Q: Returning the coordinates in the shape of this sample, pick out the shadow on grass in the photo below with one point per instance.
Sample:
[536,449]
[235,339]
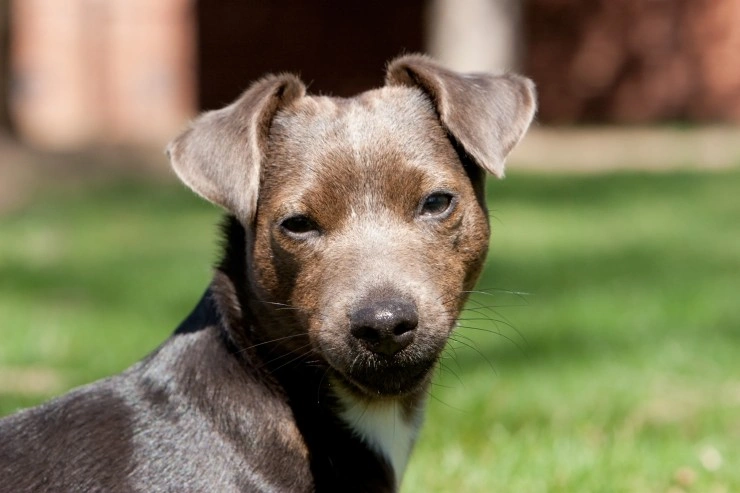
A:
[590,190]
[656,264]
[616,264]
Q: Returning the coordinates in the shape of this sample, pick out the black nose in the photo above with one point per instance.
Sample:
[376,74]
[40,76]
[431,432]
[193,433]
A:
[385,326]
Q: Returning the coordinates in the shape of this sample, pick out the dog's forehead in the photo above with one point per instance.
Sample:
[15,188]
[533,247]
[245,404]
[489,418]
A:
[391,121]
[379,150]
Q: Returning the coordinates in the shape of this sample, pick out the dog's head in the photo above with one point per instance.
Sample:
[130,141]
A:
[365,217]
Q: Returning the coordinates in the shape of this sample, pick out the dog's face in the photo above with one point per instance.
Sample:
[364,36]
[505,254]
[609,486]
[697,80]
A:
[366,229]
[368,225]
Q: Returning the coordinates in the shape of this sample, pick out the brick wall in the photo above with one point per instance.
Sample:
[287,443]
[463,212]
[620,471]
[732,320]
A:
[634,60]
[101,71]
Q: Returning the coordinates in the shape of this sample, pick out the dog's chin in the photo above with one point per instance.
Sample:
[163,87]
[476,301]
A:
[377,378]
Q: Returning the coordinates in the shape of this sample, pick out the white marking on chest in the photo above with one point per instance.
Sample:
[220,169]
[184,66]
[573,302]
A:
[383,427]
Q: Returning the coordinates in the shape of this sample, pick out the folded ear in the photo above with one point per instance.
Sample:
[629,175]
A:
[486,114]
[219,156]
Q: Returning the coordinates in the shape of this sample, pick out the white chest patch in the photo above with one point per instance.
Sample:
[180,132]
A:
[383,427]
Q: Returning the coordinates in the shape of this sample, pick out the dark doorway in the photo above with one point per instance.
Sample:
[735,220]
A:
[337,47]
[4,64]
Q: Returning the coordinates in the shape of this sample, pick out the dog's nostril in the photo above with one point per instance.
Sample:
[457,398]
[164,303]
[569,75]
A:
[404,326]
[369,334]
[385,326]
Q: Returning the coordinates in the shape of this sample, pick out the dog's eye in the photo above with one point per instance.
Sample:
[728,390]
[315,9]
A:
[437,204]
[299,226]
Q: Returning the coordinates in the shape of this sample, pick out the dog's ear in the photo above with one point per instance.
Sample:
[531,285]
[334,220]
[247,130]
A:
[219,156]
[486,114]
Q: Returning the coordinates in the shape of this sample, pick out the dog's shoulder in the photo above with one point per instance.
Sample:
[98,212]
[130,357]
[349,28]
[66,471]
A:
[188,416]
[80,440]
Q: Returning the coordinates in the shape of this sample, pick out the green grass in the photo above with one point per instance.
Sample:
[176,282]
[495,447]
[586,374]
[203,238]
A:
[621,373]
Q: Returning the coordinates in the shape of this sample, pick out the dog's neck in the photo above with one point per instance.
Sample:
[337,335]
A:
[389,427]
[327,412]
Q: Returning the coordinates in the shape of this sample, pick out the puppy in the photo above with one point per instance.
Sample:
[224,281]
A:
[355,229]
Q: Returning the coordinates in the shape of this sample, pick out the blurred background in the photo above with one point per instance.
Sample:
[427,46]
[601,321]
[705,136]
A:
[602,351]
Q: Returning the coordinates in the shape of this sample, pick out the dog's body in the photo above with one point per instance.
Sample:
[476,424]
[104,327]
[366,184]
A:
[357,228]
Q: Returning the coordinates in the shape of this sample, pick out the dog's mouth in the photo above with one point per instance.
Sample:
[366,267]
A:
[376,376]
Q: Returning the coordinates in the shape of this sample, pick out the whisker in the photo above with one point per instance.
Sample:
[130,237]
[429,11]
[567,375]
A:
[477,351]
[454,355]
[502,319]
[430,394]
[241,350]
[297,358]
[498,290]
[441,385]
[519,294]
[444,367]
[481,306]
[285,355]
[496,321]
[272,303]
[496,332]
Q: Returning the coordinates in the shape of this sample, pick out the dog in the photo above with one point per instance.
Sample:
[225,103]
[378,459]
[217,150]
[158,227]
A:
[355,229]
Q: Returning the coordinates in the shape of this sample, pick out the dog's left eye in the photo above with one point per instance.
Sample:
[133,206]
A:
[299,226]
[437,204]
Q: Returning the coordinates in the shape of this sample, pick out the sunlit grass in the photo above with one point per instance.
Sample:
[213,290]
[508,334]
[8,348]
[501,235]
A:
[629,376]
[620,374]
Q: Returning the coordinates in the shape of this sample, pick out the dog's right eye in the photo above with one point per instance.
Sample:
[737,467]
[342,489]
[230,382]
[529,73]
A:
[299,227]
[438,204]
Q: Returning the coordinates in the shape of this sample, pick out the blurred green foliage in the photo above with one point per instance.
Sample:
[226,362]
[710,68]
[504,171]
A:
[616,372]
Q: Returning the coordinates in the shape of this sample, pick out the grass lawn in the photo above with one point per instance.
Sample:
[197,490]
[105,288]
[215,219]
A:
[619,371]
